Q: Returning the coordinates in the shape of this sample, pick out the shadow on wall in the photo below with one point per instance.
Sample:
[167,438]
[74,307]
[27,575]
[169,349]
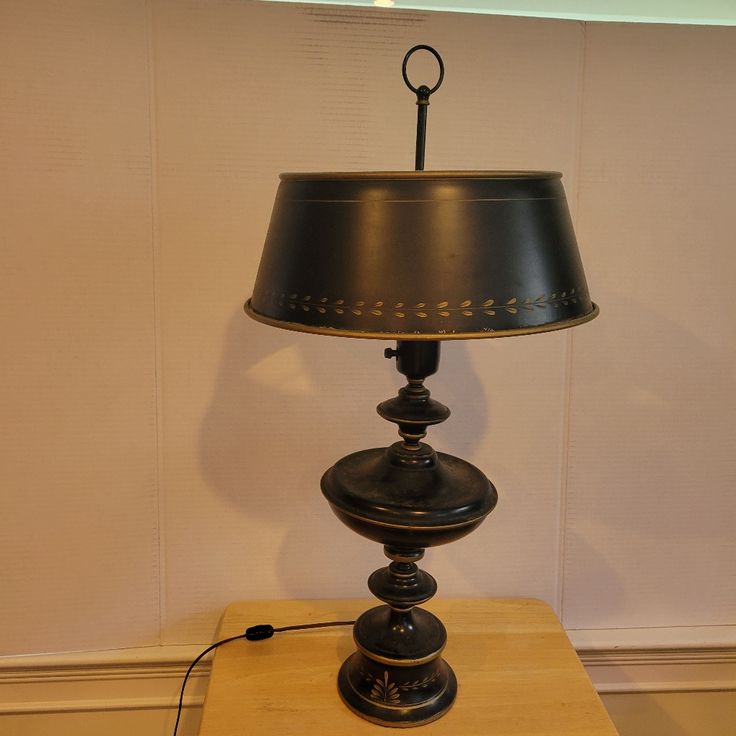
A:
[285,407]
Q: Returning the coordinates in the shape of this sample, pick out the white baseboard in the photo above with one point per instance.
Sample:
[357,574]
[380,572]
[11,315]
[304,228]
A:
[128,679]
[661,670]
[95,705]
[150,678]
[659,659]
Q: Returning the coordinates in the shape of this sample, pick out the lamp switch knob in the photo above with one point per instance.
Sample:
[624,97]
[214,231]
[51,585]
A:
[390,353]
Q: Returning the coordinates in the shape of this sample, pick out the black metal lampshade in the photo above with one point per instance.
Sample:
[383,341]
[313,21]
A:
[421,256]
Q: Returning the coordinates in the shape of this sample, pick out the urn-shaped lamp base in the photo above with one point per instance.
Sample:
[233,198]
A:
[398,691]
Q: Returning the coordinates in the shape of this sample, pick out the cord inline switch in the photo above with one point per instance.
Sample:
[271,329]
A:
[256,633]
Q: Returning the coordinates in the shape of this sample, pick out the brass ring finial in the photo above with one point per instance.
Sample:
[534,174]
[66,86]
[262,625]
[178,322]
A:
[413,50]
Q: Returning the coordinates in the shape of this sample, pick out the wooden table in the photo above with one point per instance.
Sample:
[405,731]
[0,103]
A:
[518,674]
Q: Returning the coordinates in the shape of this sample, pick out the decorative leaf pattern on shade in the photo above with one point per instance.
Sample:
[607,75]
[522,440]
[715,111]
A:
[445,308]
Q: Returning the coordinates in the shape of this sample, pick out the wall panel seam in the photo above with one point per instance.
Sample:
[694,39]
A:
[155,277]
[567,409]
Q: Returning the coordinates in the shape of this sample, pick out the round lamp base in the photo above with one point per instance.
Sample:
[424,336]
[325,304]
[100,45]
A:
[397,696]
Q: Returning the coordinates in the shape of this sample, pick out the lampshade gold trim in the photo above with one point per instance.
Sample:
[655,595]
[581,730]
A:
[297,327]
[368,175]
[433,199]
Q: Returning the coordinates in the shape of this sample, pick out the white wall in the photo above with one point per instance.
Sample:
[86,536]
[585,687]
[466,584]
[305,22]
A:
[161,453]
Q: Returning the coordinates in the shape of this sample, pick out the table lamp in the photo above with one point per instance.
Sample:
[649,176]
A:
[417,257]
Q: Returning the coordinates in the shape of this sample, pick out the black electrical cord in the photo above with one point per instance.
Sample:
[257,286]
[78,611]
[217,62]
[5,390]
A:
[252,633]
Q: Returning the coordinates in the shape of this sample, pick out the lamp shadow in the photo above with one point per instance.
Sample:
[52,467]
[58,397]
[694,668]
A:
[285,407]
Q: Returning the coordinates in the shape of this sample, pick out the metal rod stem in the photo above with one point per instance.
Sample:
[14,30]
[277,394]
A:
[422,105]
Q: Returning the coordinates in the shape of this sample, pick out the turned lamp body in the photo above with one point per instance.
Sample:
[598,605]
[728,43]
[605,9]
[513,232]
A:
[407,497]
[418,257]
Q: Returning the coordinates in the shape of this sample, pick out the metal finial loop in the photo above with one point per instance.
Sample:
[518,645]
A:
[414,49]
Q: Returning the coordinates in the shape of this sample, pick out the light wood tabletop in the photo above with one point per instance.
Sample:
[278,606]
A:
[517,672]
